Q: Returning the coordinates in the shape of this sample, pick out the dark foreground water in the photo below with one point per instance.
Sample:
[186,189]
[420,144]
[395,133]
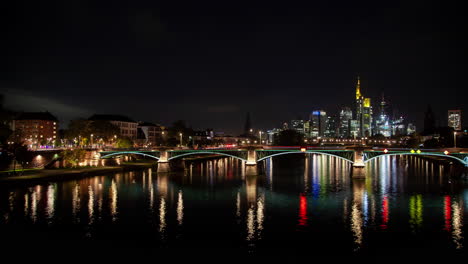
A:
[298,205]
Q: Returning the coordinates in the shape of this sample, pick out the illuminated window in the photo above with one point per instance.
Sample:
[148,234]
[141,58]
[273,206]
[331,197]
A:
[54,136]
[41,136]
[55,123]
[54,132]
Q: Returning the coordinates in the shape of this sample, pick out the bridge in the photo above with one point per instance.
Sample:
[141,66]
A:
[358,157]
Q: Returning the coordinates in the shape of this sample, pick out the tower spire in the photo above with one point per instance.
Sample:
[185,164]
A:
[358,88]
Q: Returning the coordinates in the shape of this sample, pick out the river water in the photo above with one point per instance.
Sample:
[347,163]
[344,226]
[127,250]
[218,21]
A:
[297,205]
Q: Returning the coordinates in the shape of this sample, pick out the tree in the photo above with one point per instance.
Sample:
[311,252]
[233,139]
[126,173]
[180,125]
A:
[104,129]
[178,127]
[431,143]
[5,133]
[289,137]
[413,142]
[378,137]
[82,129]
[73,156]
[20,155]
[124,142]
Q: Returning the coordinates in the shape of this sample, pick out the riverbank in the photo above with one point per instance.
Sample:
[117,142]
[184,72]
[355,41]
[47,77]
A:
[71,173]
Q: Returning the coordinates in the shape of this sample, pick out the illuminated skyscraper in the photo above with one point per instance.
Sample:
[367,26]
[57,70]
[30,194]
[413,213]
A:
[346,115]
[383,124]
[298,125]
[454,119]
[363,112]
[354,128]
[331,128]
[318,123]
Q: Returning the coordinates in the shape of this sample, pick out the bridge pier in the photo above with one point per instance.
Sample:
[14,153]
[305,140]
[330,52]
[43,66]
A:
[251,168]
[251,158]
[359,168]
[358,172]
[163,157]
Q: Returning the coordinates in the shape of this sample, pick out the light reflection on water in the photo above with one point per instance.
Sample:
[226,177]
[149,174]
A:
[406,197]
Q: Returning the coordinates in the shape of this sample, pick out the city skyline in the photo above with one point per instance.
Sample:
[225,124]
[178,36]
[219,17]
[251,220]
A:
[376,107]
[212,64]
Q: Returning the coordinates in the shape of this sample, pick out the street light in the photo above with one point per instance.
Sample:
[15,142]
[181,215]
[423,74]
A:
[91,140]
[260,133]
[454,139]
[180,134]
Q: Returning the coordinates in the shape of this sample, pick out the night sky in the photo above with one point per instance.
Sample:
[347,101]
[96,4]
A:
[211,63]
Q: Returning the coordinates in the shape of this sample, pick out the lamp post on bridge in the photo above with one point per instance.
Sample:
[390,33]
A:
[180,134]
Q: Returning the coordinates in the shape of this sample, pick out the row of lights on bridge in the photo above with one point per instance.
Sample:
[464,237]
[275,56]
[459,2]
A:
[416,151]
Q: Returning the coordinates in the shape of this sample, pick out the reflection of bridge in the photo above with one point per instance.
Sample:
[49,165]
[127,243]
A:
[358,156]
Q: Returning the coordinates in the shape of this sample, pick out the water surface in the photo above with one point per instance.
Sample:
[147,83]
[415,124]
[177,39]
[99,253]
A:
[296,206]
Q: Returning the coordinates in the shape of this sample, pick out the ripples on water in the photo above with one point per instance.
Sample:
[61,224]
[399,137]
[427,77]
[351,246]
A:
[296,205]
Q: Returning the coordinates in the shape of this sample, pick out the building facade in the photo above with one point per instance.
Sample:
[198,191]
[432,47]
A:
[331,127]
[454,119]
[36,129]
[318,123]
[128,127]
[150,134]
[298,125]
[346,115]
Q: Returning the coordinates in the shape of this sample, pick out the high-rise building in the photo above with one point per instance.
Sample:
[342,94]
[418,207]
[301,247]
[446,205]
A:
[307,128]
[331,127]
[383,123]
[298,125]
[354,128]
[346,115]
[454,119]
[363,112]
[318,123]
[398,126]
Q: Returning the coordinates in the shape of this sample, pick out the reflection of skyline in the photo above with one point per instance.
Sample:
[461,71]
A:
[457,223]
[369,205]
[416,212]
[453,220]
